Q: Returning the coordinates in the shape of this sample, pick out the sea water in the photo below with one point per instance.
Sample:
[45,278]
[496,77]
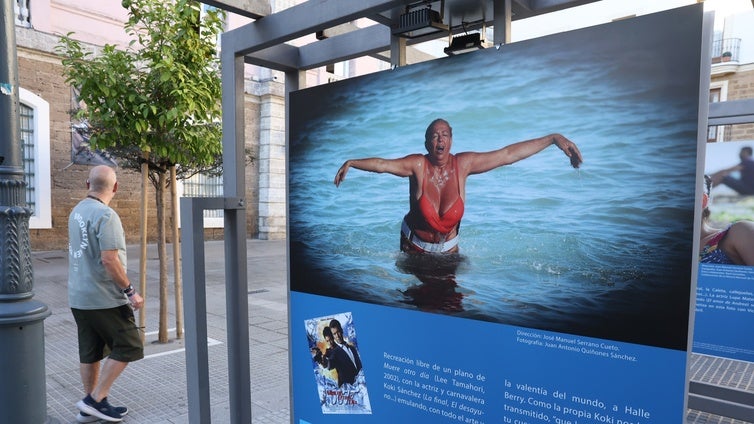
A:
[541,244]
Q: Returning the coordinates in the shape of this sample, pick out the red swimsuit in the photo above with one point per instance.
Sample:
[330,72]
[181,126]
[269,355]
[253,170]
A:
[446,222]
[425,216]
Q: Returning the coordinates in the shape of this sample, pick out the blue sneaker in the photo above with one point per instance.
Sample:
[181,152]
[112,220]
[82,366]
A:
[83,417]
[100,410]
[122,410]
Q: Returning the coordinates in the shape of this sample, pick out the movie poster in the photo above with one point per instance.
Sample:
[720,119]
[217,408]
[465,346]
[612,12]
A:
[725,289]
[81,151]
[564,293]
[338,371]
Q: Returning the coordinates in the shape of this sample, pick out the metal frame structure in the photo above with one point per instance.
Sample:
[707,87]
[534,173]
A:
[731,112]
[263,43]
[195,301]
[723,401]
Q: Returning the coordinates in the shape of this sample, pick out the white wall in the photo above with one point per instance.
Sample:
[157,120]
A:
[741,26]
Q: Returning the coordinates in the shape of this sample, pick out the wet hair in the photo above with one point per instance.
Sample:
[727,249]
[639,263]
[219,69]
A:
[428,132]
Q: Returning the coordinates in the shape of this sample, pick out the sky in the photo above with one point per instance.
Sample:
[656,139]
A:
[607,10]
[600,12]
[725,8]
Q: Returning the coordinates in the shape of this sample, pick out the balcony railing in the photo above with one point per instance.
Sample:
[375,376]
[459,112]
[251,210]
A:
[21,12]
[726,50]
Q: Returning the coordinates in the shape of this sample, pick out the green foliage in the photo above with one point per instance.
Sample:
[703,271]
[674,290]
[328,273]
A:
[161,94]
[727,209]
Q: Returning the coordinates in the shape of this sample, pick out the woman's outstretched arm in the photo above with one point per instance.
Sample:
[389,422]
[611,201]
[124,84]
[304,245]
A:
[401,167]
[486,161]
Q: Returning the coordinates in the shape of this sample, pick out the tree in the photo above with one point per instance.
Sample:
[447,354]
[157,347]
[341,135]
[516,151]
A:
[156,102]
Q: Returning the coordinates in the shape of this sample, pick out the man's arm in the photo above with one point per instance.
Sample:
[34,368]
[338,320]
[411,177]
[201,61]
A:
[734,168]
[116,270]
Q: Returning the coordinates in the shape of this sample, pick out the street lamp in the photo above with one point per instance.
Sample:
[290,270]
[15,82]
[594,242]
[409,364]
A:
[23,396]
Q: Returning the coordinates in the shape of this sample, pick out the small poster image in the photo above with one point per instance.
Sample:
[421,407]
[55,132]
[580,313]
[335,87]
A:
[336,360]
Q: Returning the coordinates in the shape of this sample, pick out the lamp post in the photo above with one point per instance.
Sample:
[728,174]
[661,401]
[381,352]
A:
[23,397]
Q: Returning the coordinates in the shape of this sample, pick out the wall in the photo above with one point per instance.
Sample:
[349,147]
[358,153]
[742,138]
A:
[97,22]
[41,72]
[738,76]
[741,86]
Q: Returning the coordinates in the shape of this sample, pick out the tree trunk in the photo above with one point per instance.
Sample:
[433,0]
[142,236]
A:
[143,256]
[176,256]
[162,335]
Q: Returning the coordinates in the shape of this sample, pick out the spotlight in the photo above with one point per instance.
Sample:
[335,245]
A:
[464,43]
[420,22]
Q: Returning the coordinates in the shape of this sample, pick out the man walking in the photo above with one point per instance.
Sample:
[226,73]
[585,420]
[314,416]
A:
[101,296]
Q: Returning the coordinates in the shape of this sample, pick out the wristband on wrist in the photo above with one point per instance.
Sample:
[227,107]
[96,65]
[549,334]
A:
[128,290]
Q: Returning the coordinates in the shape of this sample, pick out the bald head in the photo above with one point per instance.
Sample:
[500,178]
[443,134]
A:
[102,180]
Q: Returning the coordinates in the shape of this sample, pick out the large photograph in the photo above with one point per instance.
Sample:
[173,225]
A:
[725,288]
[547,184]
[727,234]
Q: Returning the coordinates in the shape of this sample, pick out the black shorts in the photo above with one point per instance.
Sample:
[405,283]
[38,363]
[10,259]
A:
[108,332]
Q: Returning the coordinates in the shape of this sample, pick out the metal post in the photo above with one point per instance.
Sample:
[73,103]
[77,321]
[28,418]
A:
[234,190]
[237,306]
[195,302]
[502,22]
[23,397]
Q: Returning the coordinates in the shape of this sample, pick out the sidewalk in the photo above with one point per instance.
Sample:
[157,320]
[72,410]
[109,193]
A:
[154,388]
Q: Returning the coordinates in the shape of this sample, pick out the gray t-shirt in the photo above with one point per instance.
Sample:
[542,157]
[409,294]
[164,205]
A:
[92,228]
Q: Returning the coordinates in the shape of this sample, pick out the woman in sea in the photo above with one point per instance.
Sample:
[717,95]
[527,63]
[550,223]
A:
[437,182]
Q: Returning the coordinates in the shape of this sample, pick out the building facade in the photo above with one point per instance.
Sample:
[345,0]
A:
[733,72]
[56,184]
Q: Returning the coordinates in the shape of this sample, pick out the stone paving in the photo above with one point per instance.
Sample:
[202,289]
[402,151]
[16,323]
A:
[154,388]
